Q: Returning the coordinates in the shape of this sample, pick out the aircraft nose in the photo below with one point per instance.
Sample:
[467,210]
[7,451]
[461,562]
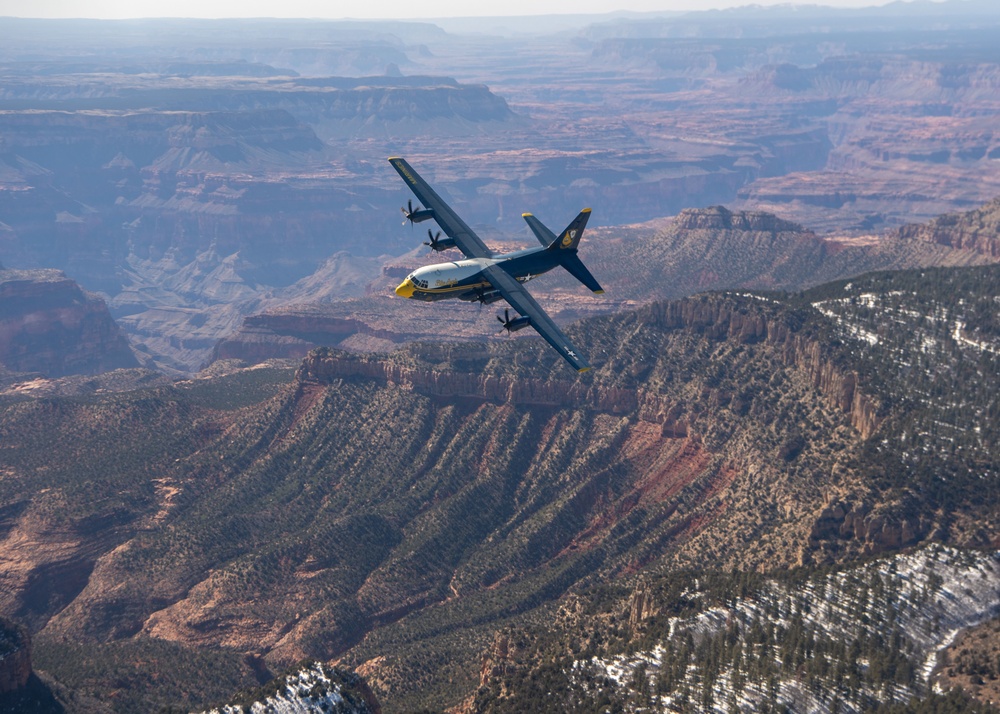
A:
[405,288]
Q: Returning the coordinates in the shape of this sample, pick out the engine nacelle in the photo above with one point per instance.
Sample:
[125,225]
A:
[420,216]
[518,323]
[442,244]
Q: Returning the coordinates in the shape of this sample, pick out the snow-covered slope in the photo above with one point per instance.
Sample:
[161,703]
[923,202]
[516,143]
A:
[315,688]
[842,641]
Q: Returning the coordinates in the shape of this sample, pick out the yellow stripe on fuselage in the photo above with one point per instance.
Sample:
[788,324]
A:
[450,288]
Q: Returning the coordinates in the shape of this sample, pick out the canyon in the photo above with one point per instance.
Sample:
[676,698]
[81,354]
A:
[198,182]
[231,460]
[248,520]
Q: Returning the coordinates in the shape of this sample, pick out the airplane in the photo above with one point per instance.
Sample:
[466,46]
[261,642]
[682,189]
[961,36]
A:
[484,277]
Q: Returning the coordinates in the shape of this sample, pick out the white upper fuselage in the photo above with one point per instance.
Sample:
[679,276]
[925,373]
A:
[442,276]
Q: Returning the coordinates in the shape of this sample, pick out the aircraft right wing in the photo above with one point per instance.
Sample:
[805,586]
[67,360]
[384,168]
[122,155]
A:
[521,300]
[466,240]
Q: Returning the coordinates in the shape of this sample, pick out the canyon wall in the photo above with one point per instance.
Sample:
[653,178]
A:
[712,316]
[49,325]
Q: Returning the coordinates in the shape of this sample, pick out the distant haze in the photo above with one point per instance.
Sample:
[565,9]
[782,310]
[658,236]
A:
[376,9]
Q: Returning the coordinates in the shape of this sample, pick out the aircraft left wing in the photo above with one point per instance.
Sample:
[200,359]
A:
[465,239]
[521,300]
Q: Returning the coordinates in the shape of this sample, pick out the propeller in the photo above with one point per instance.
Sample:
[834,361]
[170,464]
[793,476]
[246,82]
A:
[408,211]
[518,323]
[505,320]
[433,239]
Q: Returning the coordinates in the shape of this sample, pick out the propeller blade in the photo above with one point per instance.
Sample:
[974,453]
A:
[408,211]
[505,320]
[432,238]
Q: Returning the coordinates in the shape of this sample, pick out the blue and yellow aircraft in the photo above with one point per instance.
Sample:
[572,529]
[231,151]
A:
[484,277]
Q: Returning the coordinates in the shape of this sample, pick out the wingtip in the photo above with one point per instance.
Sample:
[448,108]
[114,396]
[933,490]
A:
[395,158]
[583,369]
[598,292]
[527,215]
[585,210]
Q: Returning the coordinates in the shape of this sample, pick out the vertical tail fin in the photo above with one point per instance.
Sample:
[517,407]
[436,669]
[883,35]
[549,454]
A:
[565,244]
[569,239]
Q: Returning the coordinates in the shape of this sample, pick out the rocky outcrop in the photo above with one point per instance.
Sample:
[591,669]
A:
[326,367]
[721,218]
[641,605]
[498,660]
[49,325]
[291,335]
[844,520]
[15,656]
[713,316]
[977,231]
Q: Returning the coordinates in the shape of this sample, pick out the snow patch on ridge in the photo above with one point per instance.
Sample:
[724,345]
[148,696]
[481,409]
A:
[932,595]
[307,691]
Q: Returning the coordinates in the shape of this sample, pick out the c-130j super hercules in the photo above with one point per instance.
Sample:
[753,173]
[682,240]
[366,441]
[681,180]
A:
[486,278]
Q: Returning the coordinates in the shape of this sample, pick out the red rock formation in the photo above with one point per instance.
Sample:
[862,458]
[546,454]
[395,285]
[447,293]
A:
[497,661]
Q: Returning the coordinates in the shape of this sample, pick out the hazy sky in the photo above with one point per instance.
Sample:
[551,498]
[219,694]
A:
[365,9]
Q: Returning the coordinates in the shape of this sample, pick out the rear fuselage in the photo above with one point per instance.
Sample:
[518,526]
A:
[464,279]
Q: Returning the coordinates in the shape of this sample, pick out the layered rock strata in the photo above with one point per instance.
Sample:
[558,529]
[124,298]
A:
[49,325]
[717,318]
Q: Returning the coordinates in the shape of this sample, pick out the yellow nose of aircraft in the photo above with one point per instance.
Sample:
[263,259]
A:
[405,288]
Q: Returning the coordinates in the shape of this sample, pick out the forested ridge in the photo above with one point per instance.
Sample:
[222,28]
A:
[394,512]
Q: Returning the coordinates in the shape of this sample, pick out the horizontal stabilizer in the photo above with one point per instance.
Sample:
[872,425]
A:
[541,231]
[579,271]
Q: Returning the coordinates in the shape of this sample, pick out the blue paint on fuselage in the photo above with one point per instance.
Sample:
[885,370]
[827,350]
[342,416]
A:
[532,261]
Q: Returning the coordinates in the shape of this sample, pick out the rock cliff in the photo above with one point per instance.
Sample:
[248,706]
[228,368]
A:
[976,231]
[719,318]
[48,325]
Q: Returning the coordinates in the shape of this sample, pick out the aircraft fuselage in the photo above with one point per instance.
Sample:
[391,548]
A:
[464,279]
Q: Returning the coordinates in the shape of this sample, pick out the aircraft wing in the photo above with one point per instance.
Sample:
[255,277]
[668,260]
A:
[466,241]
[521,300]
